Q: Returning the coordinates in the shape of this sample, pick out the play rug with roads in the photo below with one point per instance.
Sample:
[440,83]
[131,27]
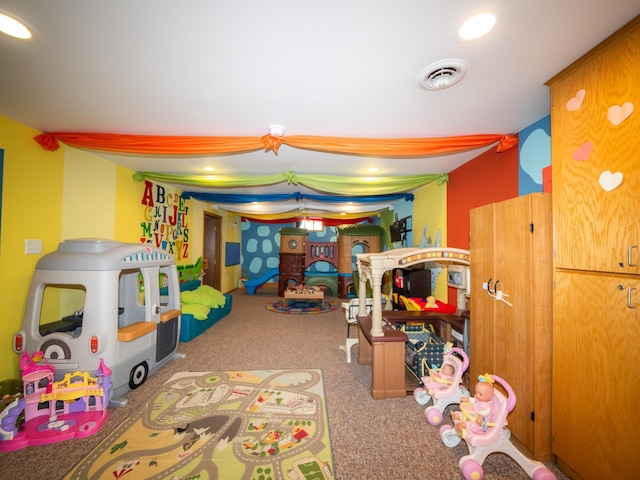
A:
[259,424]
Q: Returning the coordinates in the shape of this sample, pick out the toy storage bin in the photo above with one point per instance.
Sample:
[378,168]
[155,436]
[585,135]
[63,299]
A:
[424,350]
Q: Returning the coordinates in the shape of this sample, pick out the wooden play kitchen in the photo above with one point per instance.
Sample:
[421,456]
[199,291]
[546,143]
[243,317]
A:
[383,347]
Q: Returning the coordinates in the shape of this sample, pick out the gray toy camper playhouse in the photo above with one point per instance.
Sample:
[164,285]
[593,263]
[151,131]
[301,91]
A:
[94,299]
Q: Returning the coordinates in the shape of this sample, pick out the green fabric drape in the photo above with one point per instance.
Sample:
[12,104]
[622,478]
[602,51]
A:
[326,183]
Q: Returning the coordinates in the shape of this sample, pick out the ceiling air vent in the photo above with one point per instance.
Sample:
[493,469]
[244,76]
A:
[442,74]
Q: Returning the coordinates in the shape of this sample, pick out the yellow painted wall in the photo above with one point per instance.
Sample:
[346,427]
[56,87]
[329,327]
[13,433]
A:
[127,215]
[69,193]
[231,274]
[430,208]
[31,209]
[88,197]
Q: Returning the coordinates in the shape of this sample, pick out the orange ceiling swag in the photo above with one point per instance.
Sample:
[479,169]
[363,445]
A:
[400,147]
[197,145]
[150,144]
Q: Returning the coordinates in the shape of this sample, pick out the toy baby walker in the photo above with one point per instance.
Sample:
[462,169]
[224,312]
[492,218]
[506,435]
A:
[481,422]
[74,407]
[443,385]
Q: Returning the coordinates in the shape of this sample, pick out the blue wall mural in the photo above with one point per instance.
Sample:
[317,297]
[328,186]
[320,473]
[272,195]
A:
[261,248]
[534,154]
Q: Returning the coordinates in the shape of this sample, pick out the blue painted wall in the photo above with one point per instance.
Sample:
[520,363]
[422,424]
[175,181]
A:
[534,152]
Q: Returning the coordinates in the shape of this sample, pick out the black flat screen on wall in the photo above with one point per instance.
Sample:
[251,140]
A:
[396,234]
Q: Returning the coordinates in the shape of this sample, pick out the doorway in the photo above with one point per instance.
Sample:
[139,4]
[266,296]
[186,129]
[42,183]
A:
[212,239]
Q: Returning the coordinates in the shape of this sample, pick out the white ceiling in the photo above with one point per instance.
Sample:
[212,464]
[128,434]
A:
[336,68]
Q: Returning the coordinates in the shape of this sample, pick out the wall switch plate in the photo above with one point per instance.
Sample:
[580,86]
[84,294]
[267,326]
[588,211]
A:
[33,247]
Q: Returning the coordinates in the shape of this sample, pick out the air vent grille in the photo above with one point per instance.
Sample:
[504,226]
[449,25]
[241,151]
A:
[441,75]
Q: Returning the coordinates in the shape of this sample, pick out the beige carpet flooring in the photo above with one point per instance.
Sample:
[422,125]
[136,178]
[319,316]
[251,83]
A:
[372,439]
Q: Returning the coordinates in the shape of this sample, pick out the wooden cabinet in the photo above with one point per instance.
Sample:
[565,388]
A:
[595,120]
[510,244]
[595,374]
[598,229]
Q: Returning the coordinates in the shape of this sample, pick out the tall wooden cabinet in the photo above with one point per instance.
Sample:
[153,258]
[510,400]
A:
[595,134]
[510,244]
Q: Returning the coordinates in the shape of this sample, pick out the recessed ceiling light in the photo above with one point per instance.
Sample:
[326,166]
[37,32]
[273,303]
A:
[208,169]
[373,170]
[477,26]
[14,27]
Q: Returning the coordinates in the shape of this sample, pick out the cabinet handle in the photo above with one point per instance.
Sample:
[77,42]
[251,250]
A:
[629,292]
[630,255]
[489,286]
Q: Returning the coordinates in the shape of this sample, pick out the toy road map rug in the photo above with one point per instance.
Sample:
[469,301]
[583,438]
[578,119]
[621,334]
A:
[236,425]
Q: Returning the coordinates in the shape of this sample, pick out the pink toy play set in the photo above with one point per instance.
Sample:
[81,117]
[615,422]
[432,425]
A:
[443,385]
[482,423]
[74,407]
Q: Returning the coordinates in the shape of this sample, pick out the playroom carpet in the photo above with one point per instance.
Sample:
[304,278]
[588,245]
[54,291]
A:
[301,307]
[266,424]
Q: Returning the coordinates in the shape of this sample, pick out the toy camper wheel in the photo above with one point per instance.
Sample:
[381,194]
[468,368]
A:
[138,375]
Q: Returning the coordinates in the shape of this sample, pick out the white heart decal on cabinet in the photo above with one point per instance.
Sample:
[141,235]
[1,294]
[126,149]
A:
[609,180]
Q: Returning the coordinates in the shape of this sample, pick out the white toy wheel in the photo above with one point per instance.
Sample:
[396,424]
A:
[421,396]
[449,436]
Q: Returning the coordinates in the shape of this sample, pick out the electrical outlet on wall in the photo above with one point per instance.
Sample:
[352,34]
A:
[33,247]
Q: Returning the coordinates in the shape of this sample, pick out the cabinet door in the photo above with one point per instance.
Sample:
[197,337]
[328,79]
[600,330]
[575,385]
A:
[481,242]
[513,324]
[596,367]
[594,147]
[510,251]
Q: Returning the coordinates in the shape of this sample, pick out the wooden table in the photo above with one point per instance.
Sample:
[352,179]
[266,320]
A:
[316,294]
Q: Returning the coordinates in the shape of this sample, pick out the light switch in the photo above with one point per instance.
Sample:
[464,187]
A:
[33,247]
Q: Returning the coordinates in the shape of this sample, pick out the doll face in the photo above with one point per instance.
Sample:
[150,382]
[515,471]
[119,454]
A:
[483,392]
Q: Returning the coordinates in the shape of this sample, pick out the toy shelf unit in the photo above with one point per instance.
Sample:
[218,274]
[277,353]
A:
[94,299]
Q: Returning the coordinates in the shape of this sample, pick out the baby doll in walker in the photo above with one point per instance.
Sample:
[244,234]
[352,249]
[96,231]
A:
[477,413]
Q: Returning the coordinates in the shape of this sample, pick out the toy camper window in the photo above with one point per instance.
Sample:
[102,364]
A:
[62,309]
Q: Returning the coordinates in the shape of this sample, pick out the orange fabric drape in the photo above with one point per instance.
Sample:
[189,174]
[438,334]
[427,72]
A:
[393,147]
[150,144]
[194,145]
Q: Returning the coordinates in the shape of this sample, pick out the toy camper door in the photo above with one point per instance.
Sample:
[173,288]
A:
[163,310]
